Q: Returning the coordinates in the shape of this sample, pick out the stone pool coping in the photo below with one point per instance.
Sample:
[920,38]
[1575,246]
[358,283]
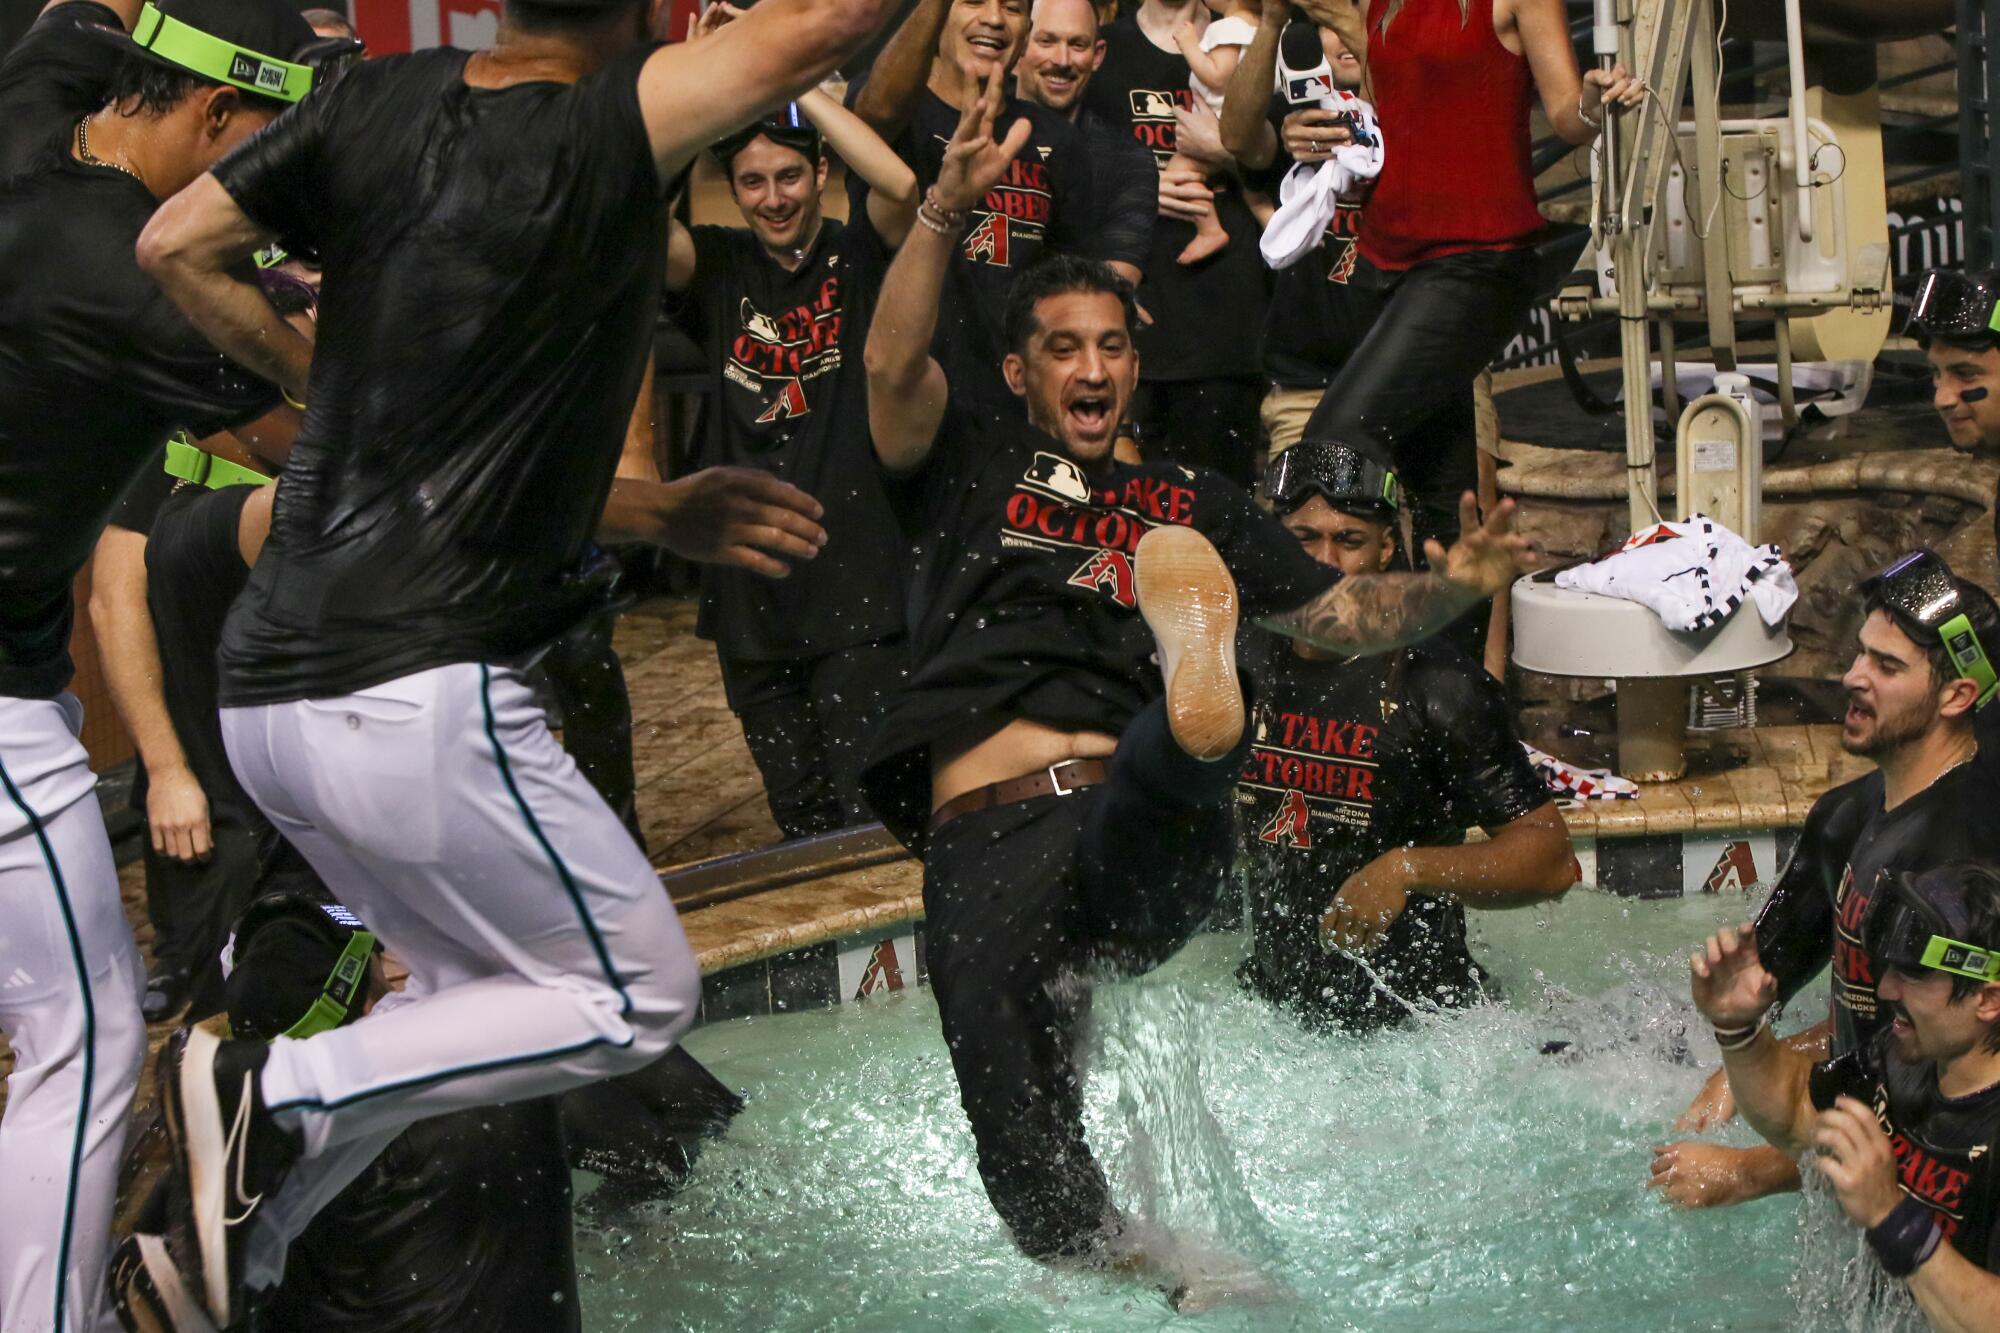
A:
[1733,819]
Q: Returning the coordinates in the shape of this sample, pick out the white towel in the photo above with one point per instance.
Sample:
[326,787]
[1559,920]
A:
[1310,195]
[1692,574]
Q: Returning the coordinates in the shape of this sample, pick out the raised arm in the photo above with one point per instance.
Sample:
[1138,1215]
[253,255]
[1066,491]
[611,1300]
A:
[1246,130]
[1372,613]
[693,93]
[892,185]
[1769,1078]
[906,387]
[1573,102]
[901,68]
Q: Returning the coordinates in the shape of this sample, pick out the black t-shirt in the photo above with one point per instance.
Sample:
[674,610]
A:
[59,72]
[791,397]
[97,366]
[1046,201]
[493,263]
[1815,910]
[1206,316]
[1022,601]
[1352,758]
[462,1223]
[1128,192]
[1314,322]
[1943,1148]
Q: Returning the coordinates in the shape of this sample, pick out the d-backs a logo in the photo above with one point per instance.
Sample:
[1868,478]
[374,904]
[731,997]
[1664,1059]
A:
[1853,969]
[1153,118]
[776,356]
[1007,228]
[1735,869]
[1054,507]
[1315,765]
[1342,235]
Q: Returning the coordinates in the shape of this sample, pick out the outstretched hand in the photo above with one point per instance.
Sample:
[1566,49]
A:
[1488,556]
[973,162]
[740,516]
[1731,987]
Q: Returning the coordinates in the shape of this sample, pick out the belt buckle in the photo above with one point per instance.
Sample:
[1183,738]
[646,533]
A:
[1056,782]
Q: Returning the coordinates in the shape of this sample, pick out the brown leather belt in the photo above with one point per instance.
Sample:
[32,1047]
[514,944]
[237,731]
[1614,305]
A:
[1055,780]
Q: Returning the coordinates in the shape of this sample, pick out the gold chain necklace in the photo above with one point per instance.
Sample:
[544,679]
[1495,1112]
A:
[83,152]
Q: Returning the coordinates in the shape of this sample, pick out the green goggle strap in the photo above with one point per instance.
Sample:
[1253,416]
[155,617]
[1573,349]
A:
[343,984]
[225,62]
[1969,656]
[1965,960]
[202,468]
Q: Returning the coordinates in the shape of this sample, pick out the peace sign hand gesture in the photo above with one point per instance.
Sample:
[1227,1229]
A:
[973,162]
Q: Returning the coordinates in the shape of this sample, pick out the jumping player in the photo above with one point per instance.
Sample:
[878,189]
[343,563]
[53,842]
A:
[489,226]
[1067,812]
[1364,775]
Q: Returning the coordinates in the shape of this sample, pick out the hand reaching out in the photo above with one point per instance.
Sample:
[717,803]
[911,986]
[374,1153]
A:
[713,18]
[739,516]
[973,162]
[1731,987]
[1487,557]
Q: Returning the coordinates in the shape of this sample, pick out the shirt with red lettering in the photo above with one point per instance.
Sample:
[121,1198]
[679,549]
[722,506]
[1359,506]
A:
[1021,600]
[1943,1148]
[1351,758]
[1814,914]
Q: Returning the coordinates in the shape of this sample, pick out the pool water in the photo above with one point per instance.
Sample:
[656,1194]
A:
[1444,1175]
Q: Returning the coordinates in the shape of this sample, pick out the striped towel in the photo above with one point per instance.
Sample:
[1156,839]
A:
[1583,784]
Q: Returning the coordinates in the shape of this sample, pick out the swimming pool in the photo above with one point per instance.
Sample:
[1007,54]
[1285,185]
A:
[1446,1175]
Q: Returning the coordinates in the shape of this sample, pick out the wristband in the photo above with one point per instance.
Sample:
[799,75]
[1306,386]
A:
[1905,1238]
[1598,122]
[1735,1039]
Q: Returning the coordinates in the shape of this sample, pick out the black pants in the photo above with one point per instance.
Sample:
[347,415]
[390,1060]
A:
[588,682]
[193,905]
[807,721]
[1019,901]
[1202,423]
[1409,384]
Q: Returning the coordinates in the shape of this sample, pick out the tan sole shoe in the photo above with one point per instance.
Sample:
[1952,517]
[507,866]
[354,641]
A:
[1189,601]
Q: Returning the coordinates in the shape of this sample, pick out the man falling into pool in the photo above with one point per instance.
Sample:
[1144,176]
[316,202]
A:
[1068,812]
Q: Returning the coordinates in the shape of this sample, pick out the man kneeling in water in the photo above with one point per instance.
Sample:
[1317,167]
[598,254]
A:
[1071,797]
[1363,776]
[1903,1126]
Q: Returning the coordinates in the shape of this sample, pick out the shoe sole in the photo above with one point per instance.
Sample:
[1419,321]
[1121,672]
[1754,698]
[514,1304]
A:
[152,1298]
[1189,601]
[194,1121]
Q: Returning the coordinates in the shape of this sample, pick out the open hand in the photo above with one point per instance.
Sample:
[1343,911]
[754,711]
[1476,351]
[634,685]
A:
[1368,904]
[1852,1152]
[713,18]
[1487,557]
[735,516]
[1731,987]
[1709,1175]
[973,162]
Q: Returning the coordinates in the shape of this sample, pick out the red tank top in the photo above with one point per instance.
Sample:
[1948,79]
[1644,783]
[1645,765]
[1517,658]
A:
[1453,105]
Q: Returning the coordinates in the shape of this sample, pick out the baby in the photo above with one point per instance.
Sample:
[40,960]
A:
[1212,53]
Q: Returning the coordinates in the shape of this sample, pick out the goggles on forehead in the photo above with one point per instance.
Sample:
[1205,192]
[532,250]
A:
[191,463]
[1915,922]
[787,125]
[1343,476]
[212,57]
[1923,594]
[1955,307]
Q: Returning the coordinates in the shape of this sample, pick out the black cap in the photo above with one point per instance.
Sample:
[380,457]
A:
[278,973]
[261,46]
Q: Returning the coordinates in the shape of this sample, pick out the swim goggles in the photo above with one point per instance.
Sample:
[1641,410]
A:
[1921,921]
[1342,475]
[215,58]
[1957,307]
[1923,594]
[337,926]
[202,468]
[787,125]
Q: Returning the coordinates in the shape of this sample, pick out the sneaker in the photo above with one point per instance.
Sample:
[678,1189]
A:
[147,1291]
[227,1149]
[1189,602]
[166,995]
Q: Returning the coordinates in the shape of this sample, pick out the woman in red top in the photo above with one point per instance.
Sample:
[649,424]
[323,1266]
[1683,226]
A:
[1447,255]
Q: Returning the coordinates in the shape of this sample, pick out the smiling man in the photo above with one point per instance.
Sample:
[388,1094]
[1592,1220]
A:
[1071,797]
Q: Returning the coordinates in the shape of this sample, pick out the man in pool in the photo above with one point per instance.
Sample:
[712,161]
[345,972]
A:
[1362,778]
[1921,672]
[1069,813]
[1902,1125]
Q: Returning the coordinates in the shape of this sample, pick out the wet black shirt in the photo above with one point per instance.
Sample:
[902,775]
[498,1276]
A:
[1022,602]
[97,366]
[1128,192]
[790,396]
[1314,321]
[1815,910]
[1351,759]
[493,264]
[55,75]
[1046,201]
[1205,316]
[463,1222]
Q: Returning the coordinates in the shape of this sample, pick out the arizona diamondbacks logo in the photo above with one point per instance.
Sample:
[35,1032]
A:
[1735,869]
[1292,825]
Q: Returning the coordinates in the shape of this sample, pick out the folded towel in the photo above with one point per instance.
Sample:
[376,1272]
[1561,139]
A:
[1692,574]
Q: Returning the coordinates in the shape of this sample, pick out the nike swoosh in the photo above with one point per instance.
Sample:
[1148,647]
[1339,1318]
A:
[232,1150]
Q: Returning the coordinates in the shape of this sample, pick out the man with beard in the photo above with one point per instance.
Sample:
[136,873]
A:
[1070,798]
[1902,1126]
[1065,47]
[1920,673]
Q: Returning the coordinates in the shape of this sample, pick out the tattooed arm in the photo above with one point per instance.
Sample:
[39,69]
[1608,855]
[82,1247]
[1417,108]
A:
[1373,613]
